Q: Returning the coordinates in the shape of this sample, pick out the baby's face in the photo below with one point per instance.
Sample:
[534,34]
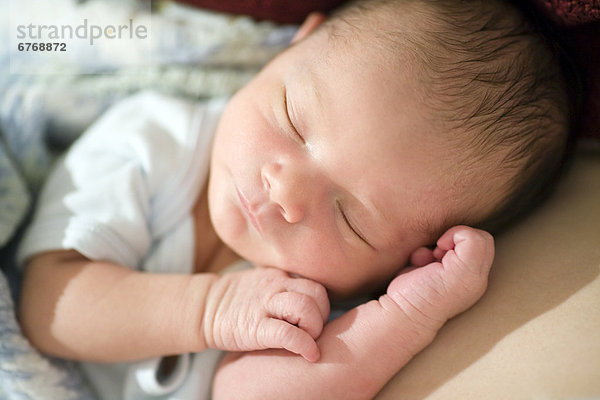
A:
[324,166]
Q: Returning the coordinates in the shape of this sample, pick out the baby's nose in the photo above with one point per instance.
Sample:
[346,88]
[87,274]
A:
[287,187]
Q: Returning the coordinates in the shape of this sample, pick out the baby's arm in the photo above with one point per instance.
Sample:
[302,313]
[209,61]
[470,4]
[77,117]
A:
[364,348]
[75,308]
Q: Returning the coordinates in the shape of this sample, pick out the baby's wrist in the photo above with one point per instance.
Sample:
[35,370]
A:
[408,311]
[404,334]
[195,322]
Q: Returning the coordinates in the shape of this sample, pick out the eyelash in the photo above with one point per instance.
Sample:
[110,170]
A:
[347,221]
[287,114]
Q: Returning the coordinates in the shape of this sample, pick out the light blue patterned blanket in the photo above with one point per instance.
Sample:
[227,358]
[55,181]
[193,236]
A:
[196,54]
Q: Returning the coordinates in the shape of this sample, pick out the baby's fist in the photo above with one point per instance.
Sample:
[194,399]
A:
[265,308]
[447,280]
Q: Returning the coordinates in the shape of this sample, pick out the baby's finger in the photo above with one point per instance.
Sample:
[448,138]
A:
[421,257]
[297,309]
[474,247]
[315,291]
[449,239]
[467,249]
[439,253]
[277,334]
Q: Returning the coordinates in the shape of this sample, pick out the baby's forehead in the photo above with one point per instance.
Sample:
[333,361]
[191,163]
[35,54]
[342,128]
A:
[423,187]
[409,195]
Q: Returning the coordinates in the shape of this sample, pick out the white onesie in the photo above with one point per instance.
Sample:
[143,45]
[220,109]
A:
[124,193]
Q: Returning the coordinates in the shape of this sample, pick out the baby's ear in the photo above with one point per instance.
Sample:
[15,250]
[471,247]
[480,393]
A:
[312,21]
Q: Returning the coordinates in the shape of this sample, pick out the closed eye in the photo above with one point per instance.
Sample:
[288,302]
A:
[289,120]
[354,230]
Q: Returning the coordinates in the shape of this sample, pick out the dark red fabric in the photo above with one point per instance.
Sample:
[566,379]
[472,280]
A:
[586,40]
[570,12]
[281,11]
[581,21]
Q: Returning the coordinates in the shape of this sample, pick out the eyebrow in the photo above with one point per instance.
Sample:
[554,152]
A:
[312,83]
[315,84]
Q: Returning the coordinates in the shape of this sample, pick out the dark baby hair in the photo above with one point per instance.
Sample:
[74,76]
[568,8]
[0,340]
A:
[495,84]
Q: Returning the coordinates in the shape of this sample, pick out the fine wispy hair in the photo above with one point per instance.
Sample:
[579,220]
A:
[494,83]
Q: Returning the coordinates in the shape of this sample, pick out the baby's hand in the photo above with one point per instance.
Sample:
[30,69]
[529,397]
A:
[265,308]
[447,280]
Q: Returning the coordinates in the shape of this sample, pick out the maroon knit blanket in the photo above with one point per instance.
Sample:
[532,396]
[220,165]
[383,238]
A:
[564,12]
[571,12]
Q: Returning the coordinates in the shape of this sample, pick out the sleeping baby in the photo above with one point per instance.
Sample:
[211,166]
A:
[369,158]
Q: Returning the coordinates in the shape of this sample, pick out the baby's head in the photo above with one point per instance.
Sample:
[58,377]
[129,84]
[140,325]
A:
[492,86]
[386,125]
